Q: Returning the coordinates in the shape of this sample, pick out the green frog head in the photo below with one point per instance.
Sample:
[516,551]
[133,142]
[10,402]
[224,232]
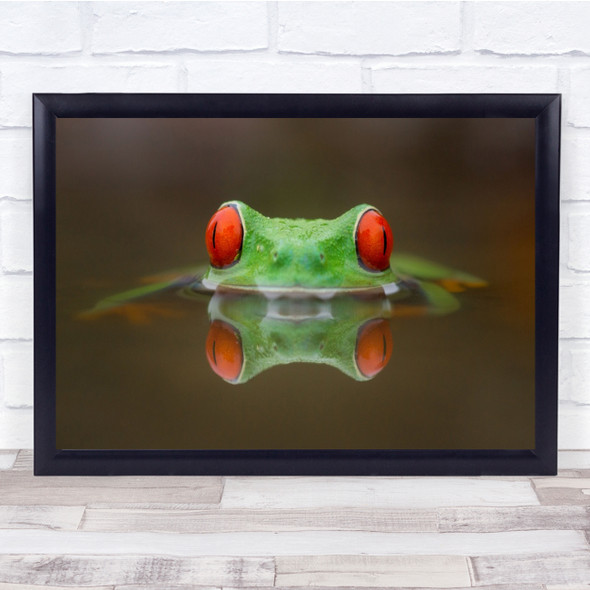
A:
[248,250]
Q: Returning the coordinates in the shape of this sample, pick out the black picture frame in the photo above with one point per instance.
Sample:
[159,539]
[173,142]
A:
[545,109]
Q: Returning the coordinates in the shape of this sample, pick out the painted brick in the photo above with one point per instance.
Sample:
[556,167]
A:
[578,112]
[574,311]
[572,460]
[451,79]
[579,241]
[7,459]
[171,26]
[16,429]
[16,164]
[575,166]
[16,306]
[565,372]
[20,81]
[579,383]
[273,76]
[369,28]
[573,431]
[24,28]
[17,375]
[529,28]
[16,236]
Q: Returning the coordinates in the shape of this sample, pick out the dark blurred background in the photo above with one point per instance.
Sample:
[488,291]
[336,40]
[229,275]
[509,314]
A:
[133,199]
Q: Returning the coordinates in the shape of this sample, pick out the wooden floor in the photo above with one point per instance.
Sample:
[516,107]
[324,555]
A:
[513,533]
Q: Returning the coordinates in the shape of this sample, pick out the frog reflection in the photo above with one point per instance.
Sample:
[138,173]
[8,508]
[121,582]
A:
[298,290]
[249,334]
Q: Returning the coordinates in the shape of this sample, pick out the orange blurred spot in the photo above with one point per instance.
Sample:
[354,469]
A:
[458,286]
[452,285]
[409,311]
[135,313]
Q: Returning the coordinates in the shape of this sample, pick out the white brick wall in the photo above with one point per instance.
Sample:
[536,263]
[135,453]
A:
[580,90]
[275,75]
[371,28]
[522,28]
[575,173]
[16,163]
[123,27]
[467,78]
[16,307]
[16,236]
[16,387]
[24,30]
[291,47]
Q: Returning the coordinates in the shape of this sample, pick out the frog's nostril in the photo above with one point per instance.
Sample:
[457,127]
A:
[275,255]
[322,257]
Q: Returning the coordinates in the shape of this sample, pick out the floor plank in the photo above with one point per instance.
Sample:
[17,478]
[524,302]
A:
[24,460]
[114,504]
[563,491]
[567,496]
[329,585]
[366,571]
[178,587]
[387,492]
[11,586]
[501,519]
[562,482]
[290,543]
[137,533]
[447,520]
[41,517]
[243,520]
[20,487]
[546,568]
[81,571]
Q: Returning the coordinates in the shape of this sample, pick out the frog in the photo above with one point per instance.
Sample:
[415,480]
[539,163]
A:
[285,291]
[322,258]
[250,251]
[352,253]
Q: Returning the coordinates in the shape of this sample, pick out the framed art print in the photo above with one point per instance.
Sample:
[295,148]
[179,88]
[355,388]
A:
[296,284]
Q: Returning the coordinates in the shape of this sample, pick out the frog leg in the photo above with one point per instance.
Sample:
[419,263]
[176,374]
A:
[450,279]
[170,276]
[440,301]
[132,305]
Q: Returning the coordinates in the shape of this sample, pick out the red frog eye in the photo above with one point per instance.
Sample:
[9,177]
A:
[223,237]
[224,350]
[374,344]
[374,241]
